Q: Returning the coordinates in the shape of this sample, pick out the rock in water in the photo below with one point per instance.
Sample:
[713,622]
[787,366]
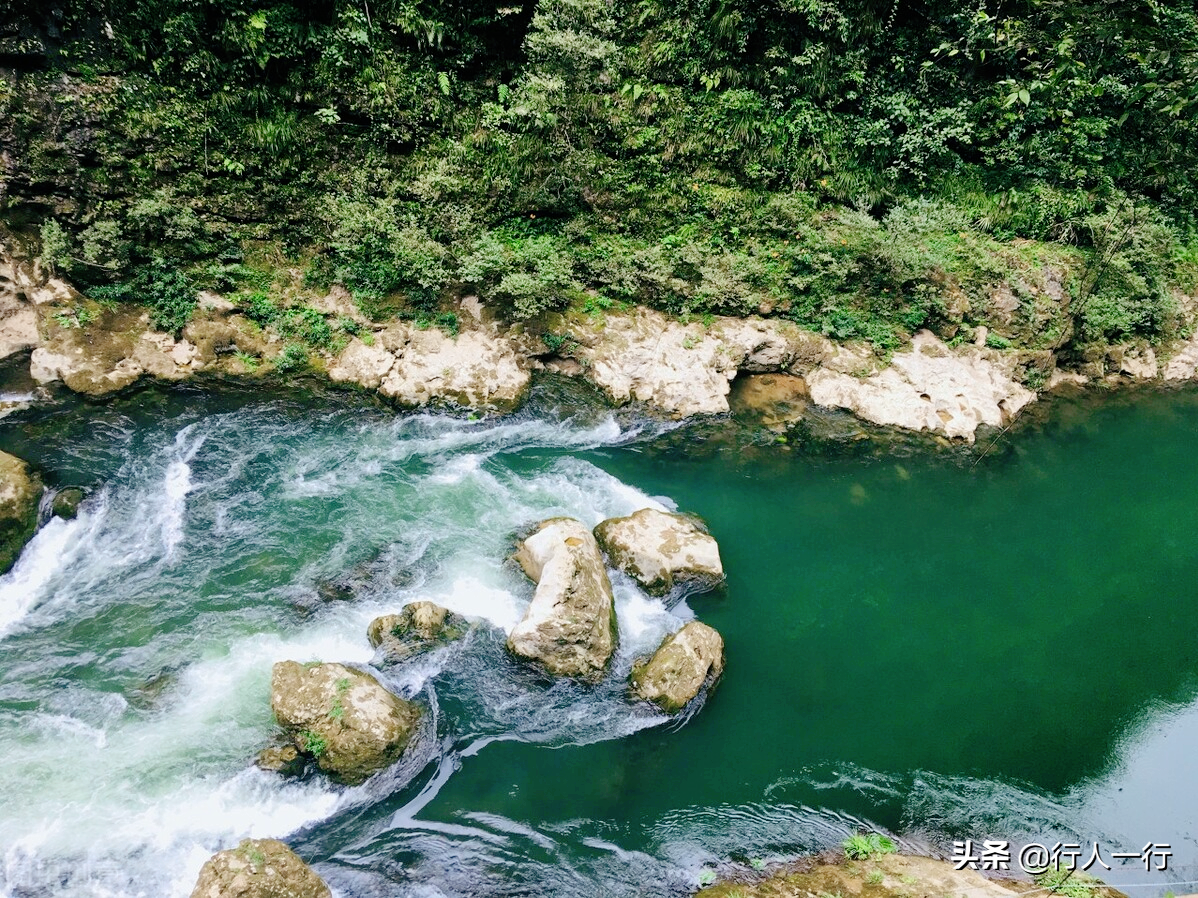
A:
[20,492]
[570,627]
[661,550]
[284,760]
[685,663]
[417,628]
[342,718]
[259,868]
[67,501]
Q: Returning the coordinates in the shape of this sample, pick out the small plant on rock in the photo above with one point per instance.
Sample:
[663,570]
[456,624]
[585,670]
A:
[864,847]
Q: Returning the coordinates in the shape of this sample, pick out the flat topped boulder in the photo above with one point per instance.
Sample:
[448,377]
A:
[341,718]
[417,628]
[20,492]
[570,626]
[661,550]
[685,663]
[258,868]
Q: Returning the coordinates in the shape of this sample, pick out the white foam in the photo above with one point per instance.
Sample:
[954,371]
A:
[25,585]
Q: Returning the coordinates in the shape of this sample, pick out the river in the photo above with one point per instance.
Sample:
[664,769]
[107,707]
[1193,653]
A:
[943,649]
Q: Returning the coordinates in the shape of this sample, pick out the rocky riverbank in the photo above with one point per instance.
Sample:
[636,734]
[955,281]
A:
[885,876]
[948,388]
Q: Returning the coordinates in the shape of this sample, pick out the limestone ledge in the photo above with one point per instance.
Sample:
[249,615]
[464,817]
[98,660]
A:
[675,368]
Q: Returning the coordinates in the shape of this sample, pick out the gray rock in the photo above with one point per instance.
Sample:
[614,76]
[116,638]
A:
[685,663]
[67,501]
[661,550]
[417,628]
[342,718]
[20,492]
[258,868]
[570,626]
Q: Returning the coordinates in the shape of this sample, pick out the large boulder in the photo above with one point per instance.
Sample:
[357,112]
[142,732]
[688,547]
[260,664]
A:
[20,492]
[342,718]
[417,628]
[661,550]
[258,868]
[685,663]
[570,627]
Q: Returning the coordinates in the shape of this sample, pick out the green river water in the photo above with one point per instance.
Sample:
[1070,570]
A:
[941,649]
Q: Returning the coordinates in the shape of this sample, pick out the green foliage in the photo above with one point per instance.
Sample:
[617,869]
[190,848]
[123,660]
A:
[866,846]
[874,878]
[56,245]
[312,743]
[164,288]
[527,275]
[293,358]
[996,341]
[75,317]
[1070,883]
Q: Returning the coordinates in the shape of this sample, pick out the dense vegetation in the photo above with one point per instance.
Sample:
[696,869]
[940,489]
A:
[865,167]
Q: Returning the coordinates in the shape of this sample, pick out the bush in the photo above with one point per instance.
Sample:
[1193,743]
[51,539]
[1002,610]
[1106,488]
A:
[527,275]
[166,290]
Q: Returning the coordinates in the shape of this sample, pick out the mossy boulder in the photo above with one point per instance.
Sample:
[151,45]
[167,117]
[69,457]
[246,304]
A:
[570,626]
[20,492]
[258,868]
[661,550]
[684,664]
[341,718]
[417,628]
[67,501]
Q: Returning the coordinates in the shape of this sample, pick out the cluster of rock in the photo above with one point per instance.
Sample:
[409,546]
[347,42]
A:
[570,626]
[348,725]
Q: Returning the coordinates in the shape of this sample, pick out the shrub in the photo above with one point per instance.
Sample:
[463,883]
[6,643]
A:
[166,290]
[527,275]
[292,358]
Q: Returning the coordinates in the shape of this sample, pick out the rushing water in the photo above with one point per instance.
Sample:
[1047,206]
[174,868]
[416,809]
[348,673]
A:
[945,650]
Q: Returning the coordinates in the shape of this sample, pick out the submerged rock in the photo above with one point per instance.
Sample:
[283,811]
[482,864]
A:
[20,492]
[685,663]
[66,502]
[417,628]
[258,868]
[284,760]
[570,626]
[661,550]
[342,718]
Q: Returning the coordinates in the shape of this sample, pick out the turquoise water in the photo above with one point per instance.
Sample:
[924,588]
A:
[947,650]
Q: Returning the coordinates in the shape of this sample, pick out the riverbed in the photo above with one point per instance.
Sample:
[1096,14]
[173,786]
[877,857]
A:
[926,642]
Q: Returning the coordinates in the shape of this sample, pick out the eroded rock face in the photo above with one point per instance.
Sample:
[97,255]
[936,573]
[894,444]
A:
[685,663]
[661,550]
[928,388]
[259,868]
[776,400]
[417,628]
[473,370]
[343,718]
[20,492]
[570,627]
[686,369]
